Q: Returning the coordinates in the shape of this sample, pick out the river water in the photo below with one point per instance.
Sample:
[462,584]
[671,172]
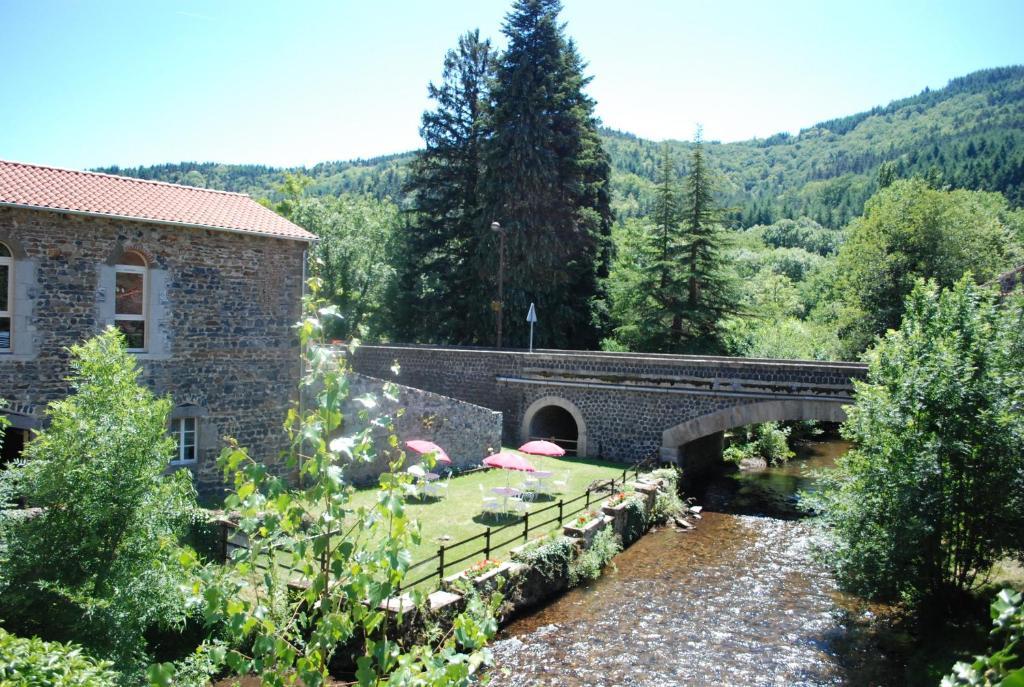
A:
[740,600]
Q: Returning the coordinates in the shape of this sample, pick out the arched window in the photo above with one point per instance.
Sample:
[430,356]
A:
[6,296]
[130,299]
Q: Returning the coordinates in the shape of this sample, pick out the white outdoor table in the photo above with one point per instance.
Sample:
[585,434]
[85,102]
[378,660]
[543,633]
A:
[505,493]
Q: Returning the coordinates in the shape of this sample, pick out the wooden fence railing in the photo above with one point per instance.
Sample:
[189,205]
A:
[492,538]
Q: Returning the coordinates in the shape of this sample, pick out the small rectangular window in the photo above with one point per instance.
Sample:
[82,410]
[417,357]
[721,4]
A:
[130,305]
[5,302]
[184,430]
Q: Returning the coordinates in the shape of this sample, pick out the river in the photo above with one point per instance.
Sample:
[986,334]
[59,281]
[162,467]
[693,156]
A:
[740,600]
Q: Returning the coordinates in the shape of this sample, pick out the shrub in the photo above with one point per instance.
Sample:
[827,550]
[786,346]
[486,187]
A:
[636,521]
[550,557]
[933,491]
[100,563]
[35,663]
[592,561]
[768,440]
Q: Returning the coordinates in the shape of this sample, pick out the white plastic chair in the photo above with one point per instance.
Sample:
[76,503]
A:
[437,488]
[559,485]
[517,505]
[488,504]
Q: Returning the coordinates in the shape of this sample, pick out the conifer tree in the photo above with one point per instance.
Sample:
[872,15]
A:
[442,292]
[711,292]
[546,182]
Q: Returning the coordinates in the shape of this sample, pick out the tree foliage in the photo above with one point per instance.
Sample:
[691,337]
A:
[911,231]
[710,289]
[933,491]
[445,279]
[99,563]
[645,285]
[355,254]
[546,181]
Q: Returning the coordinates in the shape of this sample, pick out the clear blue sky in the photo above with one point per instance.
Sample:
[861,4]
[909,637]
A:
[97,82]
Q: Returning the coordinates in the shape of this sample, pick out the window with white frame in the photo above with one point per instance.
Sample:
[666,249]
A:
[184,431]
[130,299]
[6,296]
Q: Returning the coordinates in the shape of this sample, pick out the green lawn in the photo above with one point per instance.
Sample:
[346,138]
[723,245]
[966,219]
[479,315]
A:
[458,515]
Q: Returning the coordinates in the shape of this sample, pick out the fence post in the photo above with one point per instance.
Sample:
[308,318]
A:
[487,543]
[561,503]
[588,498]
[440,563]
[526,526]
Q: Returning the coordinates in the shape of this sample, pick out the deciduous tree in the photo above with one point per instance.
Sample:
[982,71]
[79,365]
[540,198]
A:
[933,491]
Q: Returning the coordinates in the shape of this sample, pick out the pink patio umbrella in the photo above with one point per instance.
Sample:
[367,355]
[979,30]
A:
[508,461]
[423,446]
[542,448]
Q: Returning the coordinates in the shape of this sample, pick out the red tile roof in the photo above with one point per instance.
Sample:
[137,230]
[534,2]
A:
[91,193]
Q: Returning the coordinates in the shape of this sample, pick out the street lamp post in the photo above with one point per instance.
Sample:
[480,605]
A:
[499,305]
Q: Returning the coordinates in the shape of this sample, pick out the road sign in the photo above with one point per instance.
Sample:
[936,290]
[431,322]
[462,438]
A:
[531,317]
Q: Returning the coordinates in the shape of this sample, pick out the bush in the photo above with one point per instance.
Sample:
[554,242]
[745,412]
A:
[100,563]
[636,521]
[592,561]
[933,492]
[768,441]
[550,557]
[35,663]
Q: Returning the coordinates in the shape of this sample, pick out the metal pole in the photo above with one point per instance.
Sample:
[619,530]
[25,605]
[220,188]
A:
[501,276]
[531,337]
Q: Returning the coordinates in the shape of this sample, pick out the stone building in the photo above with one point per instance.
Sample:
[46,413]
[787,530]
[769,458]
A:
[204,284]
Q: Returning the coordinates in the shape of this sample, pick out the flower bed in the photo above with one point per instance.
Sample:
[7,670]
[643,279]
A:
[483,575]
[587,526]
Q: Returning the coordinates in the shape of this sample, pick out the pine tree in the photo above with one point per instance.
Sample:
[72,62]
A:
[711,293]
[546,182]
[441,289]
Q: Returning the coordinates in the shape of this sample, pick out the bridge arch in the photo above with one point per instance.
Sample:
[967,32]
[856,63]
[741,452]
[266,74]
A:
[554,412]
[674,438]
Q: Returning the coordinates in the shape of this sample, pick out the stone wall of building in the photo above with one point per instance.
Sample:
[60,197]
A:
[625,405]
[221,308]
[468,433]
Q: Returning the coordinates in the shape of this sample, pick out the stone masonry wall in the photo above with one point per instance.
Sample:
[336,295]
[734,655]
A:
[221,310]
[626,401]
[468,433]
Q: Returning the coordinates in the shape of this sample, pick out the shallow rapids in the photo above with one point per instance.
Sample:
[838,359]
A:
[738,601]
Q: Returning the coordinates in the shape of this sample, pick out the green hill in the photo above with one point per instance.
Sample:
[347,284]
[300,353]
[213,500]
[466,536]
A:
[969,134]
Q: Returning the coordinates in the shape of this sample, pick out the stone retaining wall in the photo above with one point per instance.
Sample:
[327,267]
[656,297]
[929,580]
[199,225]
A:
[468,433]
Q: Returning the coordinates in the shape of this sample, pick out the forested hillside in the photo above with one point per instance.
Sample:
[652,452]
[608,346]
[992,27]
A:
[969,134]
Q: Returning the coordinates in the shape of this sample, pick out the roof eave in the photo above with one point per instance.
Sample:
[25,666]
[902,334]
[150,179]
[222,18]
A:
[128,218]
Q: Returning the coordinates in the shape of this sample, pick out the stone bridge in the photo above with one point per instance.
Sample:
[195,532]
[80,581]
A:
[622,406]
